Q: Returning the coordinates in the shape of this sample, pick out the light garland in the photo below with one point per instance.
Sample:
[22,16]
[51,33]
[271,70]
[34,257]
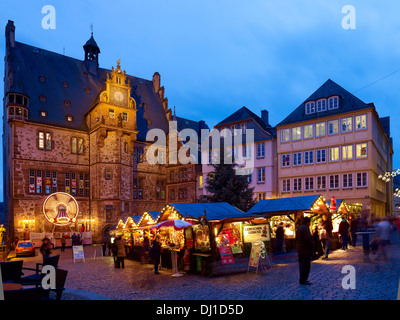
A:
[386,176]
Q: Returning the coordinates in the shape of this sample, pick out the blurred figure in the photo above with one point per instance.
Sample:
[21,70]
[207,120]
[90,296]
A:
[45,248]
[325,235]
[363,228]
[344,233]
[398,225]
[383,234]
[155,253]
[305,249]
[121,252]
[353,231]
[280,236]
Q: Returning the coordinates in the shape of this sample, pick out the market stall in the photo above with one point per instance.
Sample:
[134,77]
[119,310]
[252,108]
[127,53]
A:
[219,240]
[288,213]
[142,235]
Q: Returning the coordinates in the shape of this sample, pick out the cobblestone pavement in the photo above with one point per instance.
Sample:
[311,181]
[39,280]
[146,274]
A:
[97,279]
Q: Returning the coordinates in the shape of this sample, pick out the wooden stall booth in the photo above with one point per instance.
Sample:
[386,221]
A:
[219,240]
[288,213]
[142,236]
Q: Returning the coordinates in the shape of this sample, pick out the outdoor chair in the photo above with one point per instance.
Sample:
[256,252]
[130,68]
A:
[37,276]
[11,271]
[61,277]
[24,294]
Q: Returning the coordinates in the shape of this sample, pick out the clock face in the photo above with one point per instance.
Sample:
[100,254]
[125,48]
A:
[119,96]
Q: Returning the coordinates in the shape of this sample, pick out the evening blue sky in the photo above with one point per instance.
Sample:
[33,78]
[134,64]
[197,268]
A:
[215,56]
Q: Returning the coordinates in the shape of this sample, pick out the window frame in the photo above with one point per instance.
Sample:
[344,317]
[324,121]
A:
[346,148]
[360,118]
[316,155]
[362,178]
[337,127]
[307,158]
[330,154]
[356,150]
[285,133]
[318,129]
[306,129]
[345,124]
[346,185]
[298,135]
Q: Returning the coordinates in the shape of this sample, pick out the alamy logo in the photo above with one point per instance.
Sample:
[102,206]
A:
[349,280]
[49,20]
[349,20]
[48,280]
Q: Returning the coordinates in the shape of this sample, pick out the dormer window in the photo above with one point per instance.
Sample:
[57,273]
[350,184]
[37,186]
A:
[65,84]
[321,105]
[43,114]
[118,80]
[69,118]
[333,103]
[310,107]
[15,98]
[42,98]
[67,103]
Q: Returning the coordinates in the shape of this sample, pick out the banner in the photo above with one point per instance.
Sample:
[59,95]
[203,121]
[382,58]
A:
[257,232]
[226,254]
[255,254]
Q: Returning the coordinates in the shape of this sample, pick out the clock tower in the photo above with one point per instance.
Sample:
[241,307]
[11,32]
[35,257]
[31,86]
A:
[112,132]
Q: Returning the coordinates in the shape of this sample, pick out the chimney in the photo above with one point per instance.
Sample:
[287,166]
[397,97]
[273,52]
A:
[156,81]
[10,34]
[264,116]
[202,125]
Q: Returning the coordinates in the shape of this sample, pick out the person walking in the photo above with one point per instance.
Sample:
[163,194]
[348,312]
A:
[353,231]
[73,238]
[63,243]
[280,238]
[344,233]
[155,253]
[45,248]
[305,249]
[325,235]
[121,252]
[398,225]
[104,245]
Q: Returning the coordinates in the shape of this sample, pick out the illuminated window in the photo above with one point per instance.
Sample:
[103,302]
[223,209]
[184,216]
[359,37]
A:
[41,140]
[334,154]
[80,146]
[48,141]
[200,180]
[361,151]
[308,131]
[320,129]
[111,114]
[69,118]
[43,114]
[347,152]
[333,127]
[361,122]
[296,133]
[124,116]
[73,145]
[347,124]
[285,135]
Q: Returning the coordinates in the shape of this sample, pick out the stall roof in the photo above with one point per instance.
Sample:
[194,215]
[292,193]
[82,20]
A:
[284,205]
[213,211]
[154,214]
[136,219]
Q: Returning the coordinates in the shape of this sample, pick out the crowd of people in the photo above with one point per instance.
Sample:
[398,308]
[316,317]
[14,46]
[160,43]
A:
[375,237]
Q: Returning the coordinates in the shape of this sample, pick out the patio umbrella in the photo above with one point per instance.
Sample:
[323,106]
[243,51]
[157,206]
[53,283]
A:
[176,225]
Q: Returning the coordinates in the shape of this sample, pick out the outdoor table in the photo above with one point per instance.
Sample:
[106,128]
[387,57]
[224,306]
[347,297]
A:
[175,263]
[12,286]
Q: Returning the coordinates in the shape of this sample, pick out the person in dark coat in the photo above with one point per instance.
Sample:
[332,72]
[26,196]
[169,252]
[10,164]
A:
[155,253]
[344,233]
[280,237]
[305,249]
[45,248]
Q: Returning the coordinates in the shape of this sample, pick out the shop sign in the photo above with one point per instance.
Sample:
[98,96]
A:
[226,254]
[78,253]
[258,232]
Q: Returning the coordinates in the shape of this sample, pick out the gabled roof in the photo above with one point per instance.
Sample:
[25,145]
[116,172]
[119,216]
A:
[347,103]
[284,205]
[213,211]
[28,63]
